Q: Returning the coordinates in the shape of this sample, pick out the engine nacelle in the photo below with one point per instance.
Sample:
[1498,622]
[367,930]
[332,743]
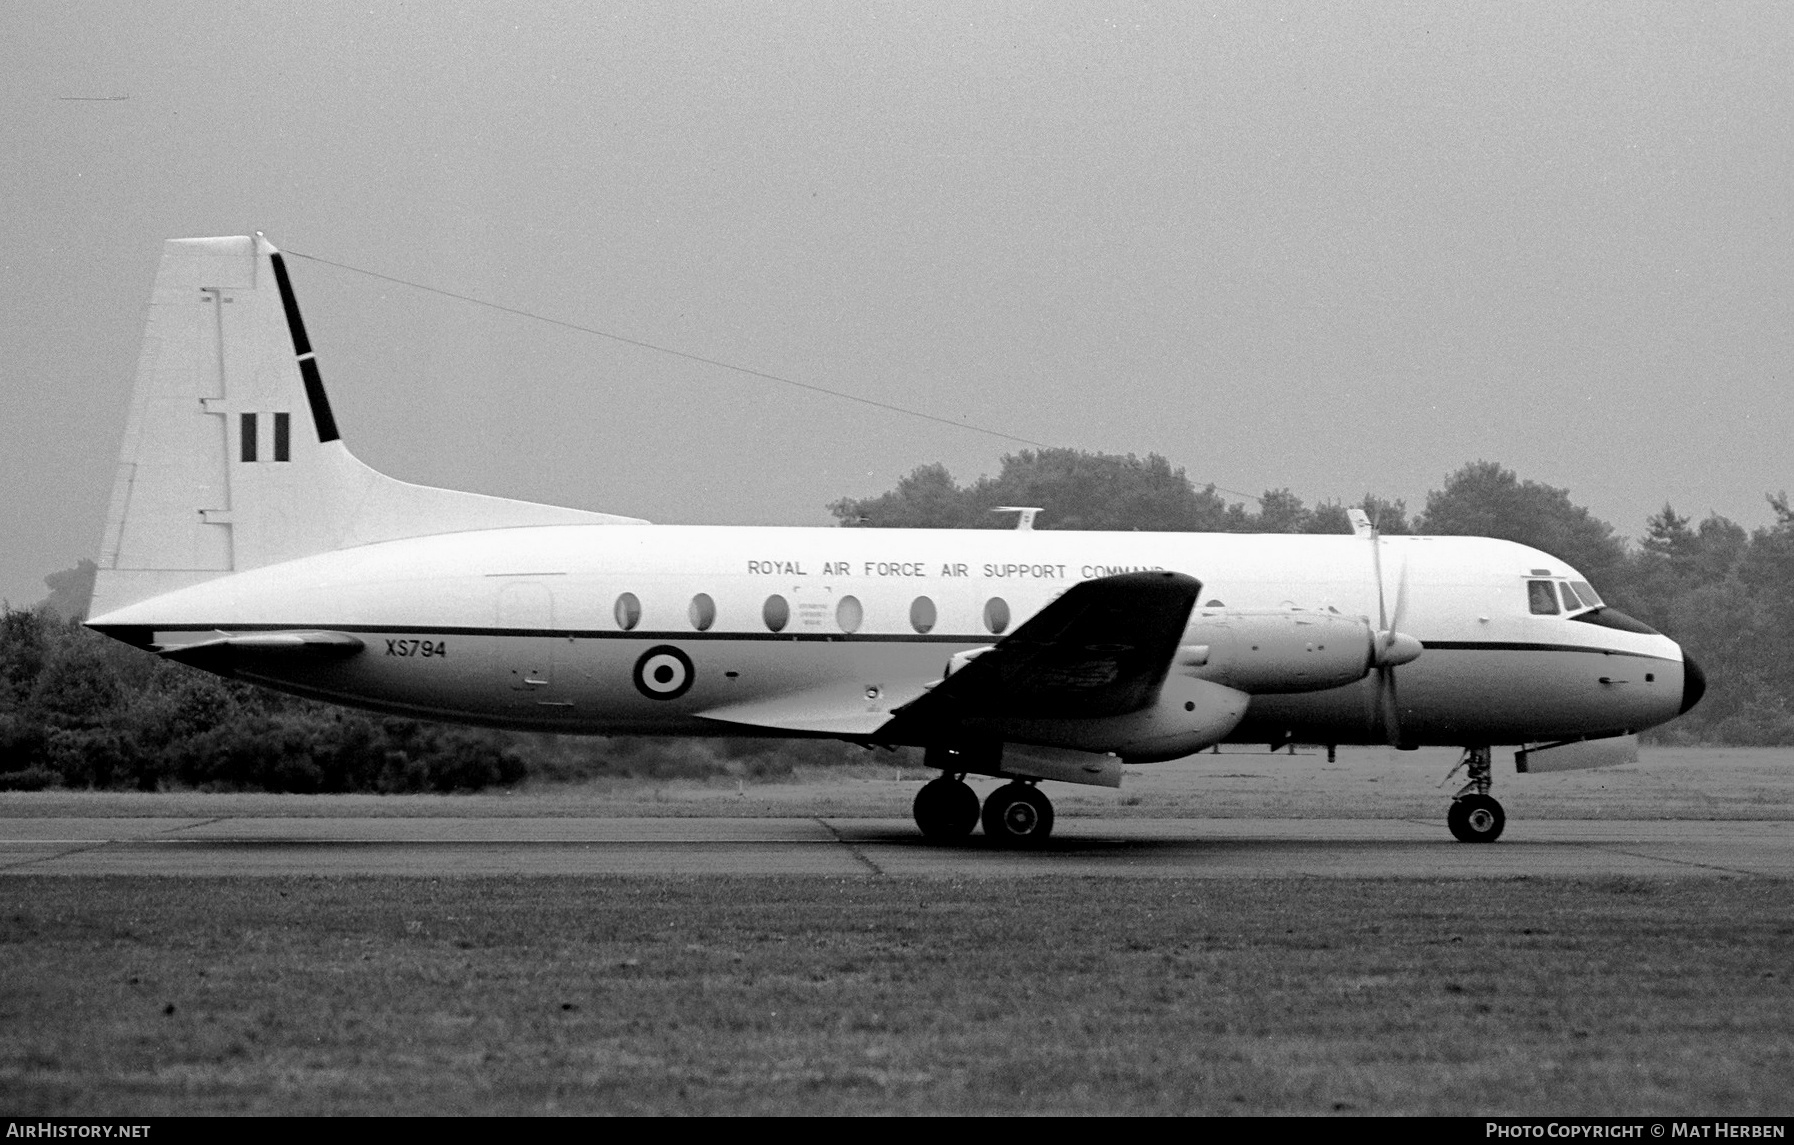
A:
[1188,716]
[1290,650]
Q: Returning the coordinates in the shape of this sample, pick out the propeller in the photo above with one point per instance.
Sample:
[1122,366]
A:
[1389,646]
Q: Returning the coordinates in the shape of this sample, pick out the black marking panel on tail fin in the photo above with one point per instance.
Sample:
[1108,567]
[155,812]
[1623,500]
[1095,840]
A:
[295,324]
[320,405]
[321,416]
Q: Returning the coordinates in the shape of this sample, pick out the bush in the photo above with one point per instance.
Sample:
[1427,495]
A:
[29,779]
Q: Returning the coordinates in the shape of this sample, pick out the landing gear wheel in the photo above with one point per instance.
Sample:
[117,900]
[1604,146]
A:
[1476,819]
[1017,815]
[946,809]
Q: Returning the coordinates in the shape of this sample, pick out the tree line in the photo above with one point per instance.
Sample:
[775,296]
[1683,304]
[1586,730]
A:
[79,710]
[1724,593]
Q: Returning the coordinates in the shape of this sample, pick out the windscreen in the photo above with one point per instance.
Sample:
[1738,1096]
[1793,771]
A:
[1541,597]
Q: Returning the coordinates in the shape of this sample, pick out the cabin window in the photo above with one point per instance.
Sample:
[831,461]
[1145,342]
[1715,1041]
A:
[702,612]
[1571,603]
[776,613]
[248,434]
[921,614]
[1542,599]
[849,615]
[283,436]
[628,611]
[996,614]
[1587,593]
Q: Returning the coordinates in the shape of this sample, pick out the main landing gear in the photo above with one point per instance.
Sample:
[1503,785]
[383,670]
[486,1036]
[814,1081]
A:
[946,808]
[1475,817]
[1015,815]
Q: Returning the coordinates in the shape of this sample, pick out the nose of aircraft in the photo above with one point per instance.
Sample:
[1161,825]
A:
[1694,682]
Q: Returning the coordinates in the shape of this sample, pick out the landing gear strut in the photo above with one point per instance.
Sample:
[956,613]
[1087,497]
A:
[1475,817]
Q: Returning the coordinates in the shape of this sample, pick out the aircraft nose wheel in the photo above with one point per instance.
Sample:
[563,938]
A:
[1476,819]
[946,808]
[1017,815]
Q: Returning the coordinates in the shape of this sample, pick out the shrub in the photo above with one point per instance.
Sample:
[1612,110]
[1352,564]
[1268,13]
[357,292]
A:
[28,779]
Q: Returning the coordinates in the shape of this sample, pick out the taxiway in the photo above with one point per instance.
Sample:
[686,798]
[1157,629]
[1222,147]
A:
[1086,847]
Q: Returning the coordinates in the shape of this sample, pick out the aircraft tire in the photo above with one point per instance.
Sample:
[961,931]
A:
[946,808]
[1476,819]
[1017,815]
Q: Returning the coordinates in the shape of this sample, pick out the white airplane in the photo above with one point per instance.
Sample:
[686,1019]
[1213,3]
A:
[245,539]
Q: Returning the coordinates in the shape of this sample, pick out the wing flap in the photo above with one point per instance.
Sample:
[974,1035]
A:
[841,709]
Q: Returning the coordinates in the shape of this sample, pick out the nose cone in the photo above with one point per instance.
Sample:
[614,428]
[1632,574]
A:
[1694,683]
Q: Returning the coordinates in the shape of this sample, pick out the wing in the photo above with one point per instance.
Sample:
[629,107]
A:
[1101,649]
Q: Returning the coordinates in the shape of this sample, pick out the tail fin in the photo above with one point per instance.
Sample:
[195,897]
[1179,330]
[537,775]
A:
[232,459]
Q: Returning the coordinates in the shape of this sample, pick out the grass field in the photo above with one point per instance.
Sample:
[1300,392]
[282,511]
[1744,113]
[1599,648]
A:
[881,994]
[1667,783]
[876,995]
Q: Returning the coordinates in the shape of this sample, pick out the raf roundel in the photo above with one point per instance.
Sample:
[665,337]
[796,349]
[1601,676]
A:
[663,673]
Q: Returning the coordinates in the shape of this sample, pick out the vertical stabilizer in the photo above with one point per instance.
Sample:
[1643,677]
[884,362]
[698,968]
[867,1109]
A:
[232,458]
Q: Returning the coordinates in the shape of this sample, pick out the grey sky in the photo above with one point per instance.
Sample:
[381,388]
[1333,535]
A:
[1335,247]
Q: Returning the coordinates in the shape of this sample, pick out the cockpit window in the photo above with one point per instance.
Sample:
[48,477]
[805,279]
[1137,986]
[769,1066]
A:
[1571,604]
[1586,592]
[1542,597]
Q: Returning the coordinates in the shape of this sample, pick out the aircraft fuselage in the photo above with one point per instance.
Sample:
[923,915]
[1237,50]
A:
[557,627]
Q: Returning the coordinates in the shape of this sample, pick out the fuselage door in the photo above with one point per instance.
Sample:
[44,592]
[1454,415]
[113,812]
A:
[525,641]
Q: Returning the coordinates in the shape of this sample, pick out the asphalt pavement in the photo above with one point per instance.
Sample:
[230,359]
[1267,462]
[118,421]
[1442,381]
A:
[1083,847]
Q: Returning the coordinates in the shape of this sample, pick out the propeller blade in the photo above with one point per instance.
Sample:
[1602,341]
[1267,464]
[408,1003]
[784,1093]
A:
[1392,726]
[1401,598]
[1392,645]
[1376,560]
[1389,647]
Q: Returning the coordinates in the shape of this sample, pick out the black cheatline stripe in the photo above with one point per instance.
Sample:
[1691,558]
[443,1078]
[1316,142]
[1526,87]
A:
[665,637]
[321,417]
[1518,646]
[669,636]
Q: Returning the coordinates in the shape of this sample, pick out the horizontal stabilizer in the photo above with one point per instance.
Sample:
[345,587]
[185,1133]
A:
[223,651]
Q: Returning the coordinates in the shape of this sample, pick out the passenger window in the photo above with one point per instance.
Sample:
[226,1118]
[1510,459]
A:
[1571,604]
[996,614]
[1541,597]
[776,613]
[628,611]
[283,437]
[702,612]
[248,436]
[921,614]
[849,615]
